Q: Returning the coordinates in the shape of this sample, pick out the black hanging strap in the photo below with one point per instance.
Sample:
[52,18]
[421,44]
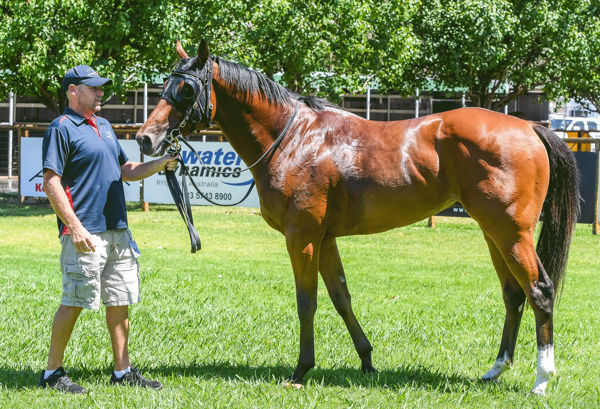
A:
[181,198]
[182,201]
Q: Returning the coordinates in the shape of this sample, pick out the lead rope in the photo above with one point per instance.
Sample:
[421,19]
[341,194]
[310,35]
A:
[182,201]
[181,196]
[271,149]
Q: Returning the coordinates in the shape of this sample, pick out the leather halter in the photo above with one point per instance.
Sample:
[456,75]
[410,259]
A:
[198,112]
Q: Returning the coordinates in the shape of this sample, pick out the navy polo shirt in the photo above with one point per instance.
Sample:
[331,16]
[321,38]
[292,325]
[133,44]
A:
[88,159]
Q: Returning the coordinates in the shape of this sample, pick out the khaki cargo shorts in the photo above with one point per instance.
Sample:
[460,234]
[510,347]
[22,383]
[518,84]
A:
[110,274]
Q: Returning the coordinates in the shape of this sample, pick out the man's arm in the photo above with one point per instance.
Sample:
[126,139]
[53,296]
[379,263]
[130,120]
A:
[138,170]
[82,239]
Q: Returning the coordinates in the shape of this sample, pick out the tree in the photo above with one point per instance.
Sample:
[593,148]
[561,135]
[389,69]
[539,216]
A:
[480,45]
[324,48]
[577,68]
[127,41]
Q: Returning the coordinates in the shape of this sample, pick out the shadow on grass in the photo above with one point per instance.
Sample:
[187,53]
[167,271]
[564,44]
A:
[415,376]
[10,206]
[29,378]
[405,376]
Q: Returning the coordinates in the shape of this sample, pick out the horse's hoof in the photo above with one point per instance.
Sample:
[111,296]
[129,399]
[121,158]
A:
[538,391]
[368,369]
[294,385]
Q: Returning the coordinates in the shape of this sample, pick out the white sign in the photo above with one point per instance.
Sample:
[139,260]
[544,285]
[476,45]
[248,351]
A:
[217,173]
[31,176]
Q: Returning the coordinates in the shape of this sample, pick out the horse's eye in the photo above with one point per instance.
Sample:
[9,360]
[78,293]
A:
[186,91]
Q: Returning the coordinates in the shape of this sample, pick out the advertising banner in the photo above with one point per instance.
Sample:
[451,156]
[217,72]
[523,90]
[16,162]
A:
[586,163]
[216,170]
[31,174]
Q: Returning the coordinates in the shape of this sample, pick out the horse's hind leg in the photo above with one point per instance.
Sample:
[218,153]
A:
[332,271]
[519,254]
[514,301]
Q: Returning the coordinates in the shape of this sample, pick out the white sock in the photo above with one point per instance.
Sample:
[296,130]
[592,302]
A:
[47,373]
[119,374]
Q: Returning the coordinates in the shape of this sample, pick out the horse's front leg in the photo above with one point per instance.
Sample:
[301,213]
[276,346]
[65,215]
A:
[303,247]
[332,271]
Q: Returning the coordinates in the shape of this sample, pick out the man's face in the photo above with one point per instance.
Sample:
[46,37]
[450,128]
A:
[88,98]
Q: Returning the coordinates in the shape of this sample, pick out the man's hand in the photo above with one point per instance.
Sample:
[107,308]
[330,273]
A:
[170,162]
[82,240]
[136,170]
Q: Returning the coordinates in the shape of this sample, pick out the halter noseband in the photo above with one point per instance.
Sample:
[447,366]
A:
[196,87]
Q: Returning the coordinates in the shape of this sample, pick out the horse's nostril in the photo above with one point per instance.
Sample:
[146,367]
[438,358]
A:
[146,142]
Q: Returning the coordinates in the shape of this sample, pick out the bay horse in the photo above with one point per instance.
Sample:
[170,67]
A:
[334,174]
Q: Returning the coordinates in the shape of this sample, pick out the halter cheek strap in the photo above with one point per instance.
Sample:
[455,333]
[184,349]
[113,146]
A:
[201,111]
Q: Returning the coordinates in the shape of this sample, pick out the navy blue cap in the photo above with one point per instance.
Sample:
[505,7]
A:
[84,74]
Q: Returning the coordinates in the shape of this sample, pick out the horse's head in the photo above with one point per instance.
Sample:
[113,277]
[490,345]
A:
[185,103]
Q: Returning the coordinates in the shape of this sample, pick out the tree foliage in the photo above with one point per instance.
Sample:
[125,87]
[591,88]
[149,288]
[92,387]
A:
[480,45]
[577,71]
[123,40]
[313,47]
[326,48]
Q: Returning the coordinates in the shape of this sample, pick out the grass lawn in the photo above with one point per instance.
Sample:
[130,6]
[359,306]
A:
[219,328]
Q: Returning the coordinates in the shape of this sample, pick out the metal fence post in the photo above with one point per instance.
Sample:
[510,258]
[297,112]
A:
[368,103]
[11,122]
[417,103]
[596,225]
[145,102]
[19,136]
[145,205]
[506,106]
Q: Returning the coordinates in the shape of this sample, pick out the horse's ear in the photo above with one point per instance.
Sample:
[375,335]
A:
[202,52]
[180,51]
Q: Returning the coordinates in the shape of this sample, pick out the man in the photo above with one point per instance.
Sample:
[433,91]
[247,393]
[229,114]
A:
[84,167]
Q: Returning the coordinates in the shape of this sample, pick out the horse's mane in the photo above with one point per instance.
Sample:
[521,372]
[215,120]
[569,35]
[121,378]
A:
[247,82]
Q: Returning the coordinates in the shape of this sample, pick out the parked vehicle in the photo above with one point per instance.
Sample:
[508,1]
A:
[576,127]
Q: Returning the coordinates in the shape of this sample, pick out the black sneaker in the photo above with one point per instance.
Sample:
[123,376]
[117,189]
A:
[61,382]
[135,378]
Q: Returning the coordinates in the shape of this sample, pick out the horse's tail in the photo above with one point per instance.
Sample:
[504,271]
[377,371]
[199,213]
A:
[561,206]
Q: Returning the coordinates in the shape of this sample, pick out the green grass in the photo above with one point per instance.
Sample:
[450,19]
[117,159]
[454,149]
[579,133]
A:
[219,328]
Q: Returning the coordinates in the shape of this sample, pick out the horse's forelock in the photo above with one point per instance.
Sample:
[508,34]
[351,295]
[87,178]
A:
[186,64]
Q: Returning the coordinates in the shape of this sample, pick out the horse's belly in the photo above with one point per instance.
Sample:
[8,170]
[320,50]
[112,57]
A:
[383,209]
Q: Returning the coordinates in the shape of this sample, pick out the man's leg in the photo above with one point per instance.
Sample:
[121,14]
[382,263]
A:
[121,288]
[62,327]
[117,321]
[55,376]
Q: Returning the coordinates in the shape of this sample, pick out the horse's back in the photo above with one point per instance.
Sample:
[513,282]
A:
[404,171]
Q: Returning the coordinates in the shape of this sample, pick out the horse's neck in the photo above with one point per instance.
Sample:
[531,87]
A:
[251,128]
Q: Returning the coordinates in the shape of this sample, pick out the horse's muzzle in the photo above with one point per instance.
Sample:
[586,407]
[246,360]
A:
[146,145]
